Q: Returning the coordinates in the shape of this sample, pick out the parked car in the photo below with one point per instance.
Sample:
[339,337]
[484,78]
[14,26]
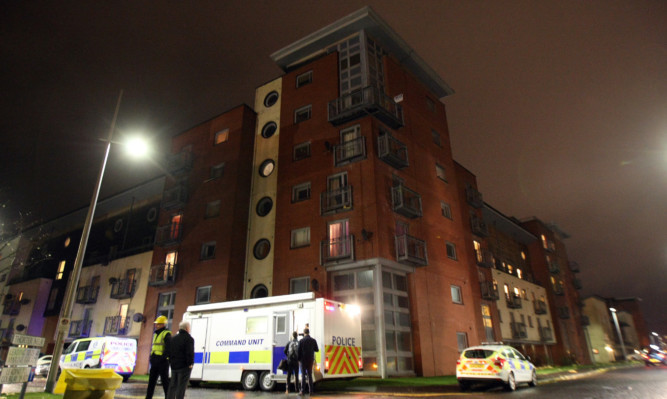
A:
[494,363]
[654,356]
[43,365]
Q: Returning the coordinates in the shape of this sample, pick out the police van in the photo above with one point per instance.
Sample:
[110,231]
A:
[243,341]
[119,354]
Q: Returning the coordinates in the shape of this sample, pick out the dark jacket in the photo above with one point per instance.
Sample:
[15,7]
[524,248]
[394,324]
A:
[182,350]
[286,352]
[307,348]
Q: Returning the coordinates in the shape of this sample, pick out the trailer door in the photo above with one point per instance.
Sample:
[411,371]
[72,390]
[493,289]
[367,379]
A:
[199,329]
[281,334]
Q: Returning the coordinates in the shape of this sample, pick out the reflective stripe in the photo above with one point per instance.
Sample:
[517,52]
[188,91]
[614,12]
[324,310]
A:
[158,343]
[343,359]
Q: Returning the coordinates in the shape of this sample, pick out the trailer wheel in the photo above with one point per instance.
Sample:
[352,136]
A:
[250,380]
[265,382]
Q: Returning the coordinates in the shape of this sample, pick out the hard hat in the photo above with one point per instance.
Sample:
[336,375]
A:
[161,320]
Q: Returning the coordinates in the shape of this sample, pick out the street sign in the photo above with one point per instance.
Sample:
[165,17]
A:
[14,375]
[22,356]
[27,340]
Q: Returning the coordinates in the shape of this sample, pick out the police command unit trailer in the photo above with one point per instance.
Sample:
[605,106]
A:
[243,341]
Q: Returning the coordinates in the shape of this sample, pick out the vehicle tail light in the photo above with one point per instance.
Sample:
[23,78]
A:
[458,362]
[360,363]
[499,362]
[326,363]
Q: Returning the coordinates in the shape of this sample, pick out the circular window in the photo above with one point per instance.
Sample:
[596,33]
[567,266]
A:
[259,291]
[269,129]
[271,99]
[152,214]
[118,226]
[262,248]
[264,206]
[267,167]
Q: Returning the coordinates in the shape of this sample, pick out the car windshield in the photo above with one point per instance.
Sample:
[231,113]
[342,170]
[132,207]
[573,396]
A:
[477,353]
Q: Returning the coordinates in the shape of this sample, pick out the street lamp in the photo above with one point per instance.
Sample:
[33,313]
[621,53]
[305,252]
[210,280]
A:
[618,330]
[70,293]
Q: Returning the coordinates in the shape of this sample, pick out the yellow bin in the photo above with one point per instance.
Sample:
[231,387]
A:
[88,383]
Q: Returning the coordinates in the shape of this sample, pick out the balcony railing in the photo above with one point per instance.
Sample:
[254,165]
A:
[489,291]
[577,283]
[337,250]
[411,250]
[392,151]
[406,201]
[540,306]
[175,197]
[123,289]
[80,328]
[519,330]
[574,266]
[180,163]
[339,200]
[351,151]
[546,334]
[564,312]
[474,197]
[116,325]
[558,289]
[553,267]
[162,274]
[170,234]
[484,257]
[87,294]
[11,307]
[478,226]
[514,302]
[367,101]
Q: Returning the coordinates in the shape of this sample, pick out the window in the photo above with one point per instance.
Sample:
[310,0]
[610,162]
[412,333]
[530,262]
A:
[456,294]
[430,104]
[436,138]
[519,273]
[440,172]
[461,341]
[213,209]
[302,114]
[52,299]
[203,295]
[451,250]
[446,210]
[271,99]
[259,291]
[264,206]
[256,325]
[267,167]
[208,250]
[301,151]
[262,249]
[301,192]
[217,171]
[269,129]
[68,240]
[530,321]
[299,285]
[221,136]
[304,79]
[165,307]
[300,237]
[61,270]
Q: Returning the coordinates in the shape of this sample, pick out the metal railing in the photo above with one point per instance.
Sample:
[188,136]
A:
[162,274]
[169,234]
[335,201]
[80,328]
[175,197]
[367,101]
[123,289]
[117,325]
[337,250]
[540,306]
[350,151]
[392,151]
[489,291]
[411,250]
[514,301]
[87,294]
[519,330]
[405,201]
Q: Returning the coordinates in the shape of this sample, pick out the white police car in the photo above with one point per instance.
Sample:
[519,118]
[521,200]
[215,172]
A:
[494,363]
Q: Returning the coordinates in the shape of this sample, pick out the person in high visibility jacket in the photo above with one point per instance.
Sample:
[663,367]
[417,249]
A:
[160,351]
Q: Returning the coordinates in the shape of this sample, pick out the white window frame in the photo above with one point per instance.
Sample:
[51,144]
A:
[298,189]
[451,246]
[304,79]
[300,237]
[441,172]
[446,210]
[298,282]
[299,146]
[203,255]
[203,289]
[303,114]
[457,296]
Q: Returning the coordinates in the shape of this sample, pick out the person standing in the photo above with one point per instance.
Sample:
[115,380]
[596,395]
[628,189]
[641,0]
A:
[160,350]
[306,352]
[182,359]
[292,353]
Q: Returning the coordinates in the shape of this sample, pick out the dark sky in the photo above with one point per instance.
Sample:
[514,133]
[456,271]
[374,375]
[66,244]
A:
[560,106]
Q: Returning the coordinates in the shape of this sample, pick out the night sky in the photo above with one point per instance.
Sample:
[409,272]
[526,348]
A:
[560,106]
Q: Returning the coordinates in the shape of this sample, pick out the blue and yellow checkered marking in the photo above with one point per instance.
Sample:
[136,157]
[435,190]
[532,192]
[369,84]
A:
[233,357]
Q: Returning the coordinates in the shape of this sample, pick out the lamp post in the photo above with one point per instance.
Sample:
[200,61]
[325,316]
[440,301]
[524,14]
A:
[618,330]
[70,293]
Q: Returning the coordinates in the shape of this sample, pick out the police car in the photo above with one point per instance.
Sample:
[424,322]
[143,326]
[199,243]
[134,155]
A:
[494,363]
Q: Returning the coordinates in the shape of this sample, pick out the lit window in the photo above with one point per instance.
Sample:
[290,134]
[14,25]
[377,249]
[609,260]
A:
[446,210]
[221,136]
[451,250]
[208,250]
[301,151]
[519,273]
[203,295]
[456,294]
[300,237]
[440,172]
[302,114]
[301,192]
[61,270]
[304,79]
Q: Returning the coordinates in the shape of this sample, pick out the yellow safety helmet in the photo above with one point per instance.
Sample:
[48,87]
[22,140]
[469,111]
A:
[161,320]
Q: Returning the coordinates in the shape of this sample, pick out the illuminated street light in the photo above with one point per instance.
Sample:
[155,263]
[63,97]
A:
[137,147]
[618,330]
[70,293]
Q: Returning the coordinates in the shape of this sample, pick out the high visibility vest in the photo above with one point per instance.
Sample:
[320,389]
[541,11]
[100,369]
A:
[158,343]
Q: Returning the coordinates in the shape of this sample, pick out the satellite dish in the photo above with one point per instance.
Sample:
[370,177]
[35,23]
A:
[20,327]
[138,317]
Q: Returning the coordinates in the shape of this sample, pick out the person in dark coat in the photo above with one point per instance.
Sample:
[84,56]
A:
[307,348]
[292,354]
[159,359]
[182,359]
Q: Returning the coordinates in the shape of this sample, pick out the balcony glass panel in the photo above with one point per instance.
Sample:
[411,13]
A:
[162,274]
[367,101]
[175,197]
[117,325]
[169,234]
[411,250]
[392,151]
[406,201]
[335,201]
[350,151]
[179,163]
[87,294]
[122,289]
[488,290]
[338,250]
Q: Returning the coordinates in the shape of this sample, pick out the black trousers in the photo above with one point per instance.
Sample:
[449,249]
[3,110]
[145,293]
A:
[159,367]
[179,381]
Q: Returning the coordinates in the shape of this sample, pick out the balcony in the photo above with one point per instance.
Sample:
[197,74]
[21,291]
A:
[351,151]
[564,312]
[406,202]
[519,330]
[123,289]
[180,163]
[484,258]
[335,201]
[175,197]
[162,274]
[553,267]
[574,267]
[489,291]
[546,334]
[474,197]
[411,250]
[80,328]
[577,283]
[11,307]
[170,234]
[540,306]
[87,295]
[392,151]
[558,289]
[116,325]
[478,226]
[367,101]
[514,301]
[337,250]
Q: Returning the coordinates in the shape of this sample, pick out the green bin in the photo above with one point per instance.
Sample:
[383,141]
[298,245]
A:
[88,383]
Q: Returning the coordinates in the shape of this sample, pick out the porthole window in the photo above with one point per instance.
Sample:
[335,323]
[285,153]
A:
[262,249]
[118,226]
[271,99]
[269,129]
[259,291]
[152,214]
[264,206]
[267,167]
